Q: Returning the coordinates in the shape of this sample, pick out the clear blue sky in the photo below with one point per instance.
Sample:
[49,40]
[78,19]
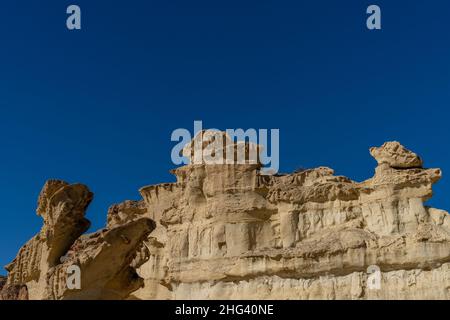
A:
[97,106]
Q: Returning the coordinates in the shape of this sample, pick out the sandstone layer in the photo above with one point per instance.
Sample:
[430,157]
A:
[225,231]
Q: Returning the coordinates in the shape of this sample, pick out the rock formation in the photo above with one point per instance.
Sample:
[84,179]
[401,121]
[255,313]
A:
[224,231]
[103,258]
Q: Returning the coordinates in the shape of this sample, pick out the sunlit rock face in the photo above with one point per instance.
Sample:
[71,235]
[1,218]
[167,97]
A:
[225,231]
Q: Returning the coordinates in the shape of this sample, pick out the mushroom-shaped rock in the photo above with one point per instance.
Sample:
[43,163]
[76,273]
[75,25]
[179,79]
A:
[396,156]
[217,147]
[63,207]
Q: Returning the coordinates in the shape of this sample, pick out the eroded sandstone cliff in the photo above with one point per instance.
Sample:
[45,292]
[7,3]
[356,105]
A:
[228,232]
[104,257]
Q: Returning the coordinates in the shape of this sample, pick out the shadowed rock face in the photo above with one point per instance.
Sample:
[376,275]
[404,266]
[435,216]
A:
[228,232]
[14,292]
[2,282]
[11,292]
[103,258]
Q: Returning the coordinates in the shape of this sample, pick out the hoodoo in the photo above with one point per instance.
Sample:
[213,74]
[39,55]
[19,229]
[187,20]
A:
[228,232]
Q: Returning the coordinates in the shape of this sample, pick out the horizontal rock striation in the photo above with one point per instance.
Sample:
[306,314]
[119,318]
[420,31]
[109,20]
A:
[226,231]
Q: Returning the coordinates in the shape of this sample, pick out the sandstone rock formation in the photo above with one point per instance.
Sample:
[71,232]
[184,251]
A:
[104,258]
[396,156]
[224,231]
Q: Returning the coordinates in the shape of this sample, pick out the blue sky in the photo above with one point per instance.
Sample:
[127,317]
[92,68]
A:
[97,106]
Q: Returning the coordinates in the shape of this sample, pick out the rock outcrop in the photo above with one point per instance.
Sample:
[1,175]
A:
[396,156]
[225,231]
[14,292]
[103,259]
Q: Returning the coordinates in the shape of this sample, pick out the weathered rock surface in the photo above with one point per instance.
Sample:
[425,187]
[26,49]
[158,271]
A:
[225,231]
[14,292]
[396,156]
[104,258]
